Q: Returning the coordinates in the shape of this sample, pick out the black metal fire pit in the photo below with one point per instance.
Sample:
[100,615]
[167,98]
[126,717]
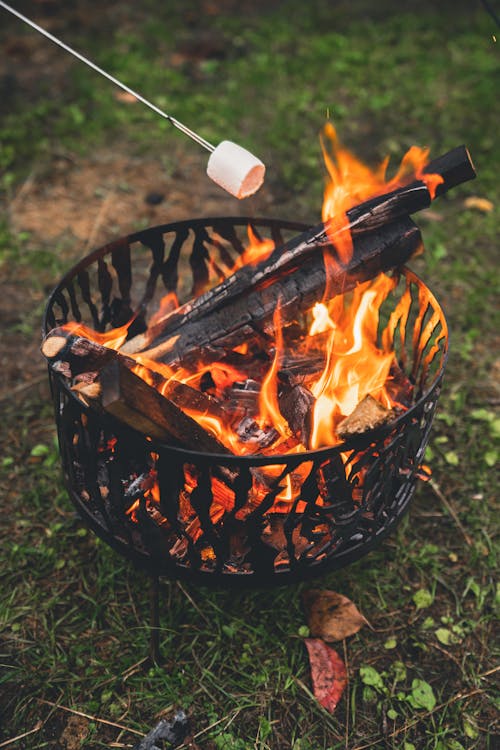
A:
[185,521]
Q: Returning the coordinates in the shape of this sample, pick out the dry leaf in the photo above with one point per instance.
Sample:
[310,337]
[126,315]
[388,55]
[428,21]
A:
[331,616]
[124,96]
[432,215]
[328,673]
[481,204]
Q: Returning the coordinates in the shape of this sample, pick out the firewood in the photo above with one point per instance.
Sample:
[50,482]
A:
[367,415]
[296,404]
[103,375]
[255,438]
[249,316]
[131,400]
[454,167]
[71,354]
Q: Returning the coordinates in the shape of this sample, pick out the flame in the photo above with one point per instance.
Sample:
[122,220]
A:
[168,304]
[355,365]
[270,413]
[342,333]
[351,182]
[112,339]
[255,251]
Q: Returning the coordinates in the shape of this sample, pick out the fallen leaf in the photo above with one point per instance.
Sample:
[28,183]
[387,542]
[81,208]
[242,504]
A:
[331,616]
[481,204]
[124,96]
[328,673]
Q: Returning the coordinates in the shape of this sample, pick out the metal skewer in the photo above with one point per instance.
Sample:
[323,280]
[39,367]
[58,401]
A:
[232,167]
[179,125]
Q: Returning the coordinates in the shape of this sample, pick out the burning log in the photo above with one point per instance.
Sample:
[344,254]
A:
[130,399]
[249,317]
[367,415]
[105,377]
[70,354]
[368,217]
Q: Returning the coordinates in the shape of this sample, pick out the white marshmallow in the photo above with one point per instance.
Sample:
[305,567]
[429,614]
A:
[235,169]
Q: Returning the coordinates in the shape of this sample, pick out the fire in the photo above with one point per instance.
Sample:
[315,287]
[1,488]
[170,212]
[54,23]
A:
[270,413]
[351,182]
[355,366]
[113,338]
[255,251]
[343,335]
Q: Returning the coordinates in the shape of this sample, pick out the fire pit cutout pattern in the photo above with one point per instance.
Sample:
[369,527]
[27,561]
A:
[184,513]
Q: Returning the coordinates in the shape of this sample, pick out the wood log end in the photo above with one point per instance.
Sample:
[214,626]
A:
[52,345]
[367,415]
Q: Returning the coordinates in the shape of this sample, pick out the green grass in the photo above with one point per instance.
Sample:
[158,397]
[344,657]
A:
[73,614]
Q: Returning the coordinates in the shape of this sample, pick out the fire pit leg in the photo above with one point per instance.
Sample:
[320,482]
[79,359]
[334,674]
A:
[154,620]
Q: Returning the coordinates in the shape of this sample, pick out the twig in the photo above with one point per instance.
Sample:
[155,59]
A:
[451,510]
[36,728]
[192,601]
[346,662]
[448,656]
[410,725]
[99,220]
[92,718]
[488,673]
[207,729]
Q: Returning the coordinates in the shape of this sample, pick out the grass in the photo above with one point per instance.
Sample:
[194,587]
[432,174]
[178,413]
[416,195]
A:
[73,615]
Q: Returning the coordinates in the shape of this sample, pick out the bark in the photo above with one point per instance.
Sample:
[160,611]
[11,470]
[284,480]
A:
[249,317]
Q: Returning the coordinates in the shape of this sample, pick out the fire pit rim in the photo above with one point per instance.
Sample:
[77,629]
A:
[353,442]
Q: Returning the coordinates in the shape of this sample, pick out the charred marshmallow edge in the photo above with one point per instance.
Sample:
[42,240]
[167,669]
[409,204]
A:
[235,169]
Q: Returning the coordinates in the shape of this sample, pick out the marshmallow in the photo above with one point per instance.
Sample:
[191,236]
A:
[235,169]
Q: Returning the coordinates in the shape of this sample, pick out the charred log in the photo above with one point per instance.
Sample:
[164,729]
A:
[249,317]
[104,377]
[368,217]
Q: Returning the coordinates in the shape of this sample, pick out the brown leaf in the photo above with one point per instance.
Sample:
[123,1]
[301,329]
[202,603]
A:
[331,616]
[480,204]
[328,673]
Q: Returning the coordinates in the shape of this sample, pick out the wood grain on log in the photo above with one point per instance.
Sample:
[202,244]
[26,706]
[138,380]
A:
[131,400]
[105,377]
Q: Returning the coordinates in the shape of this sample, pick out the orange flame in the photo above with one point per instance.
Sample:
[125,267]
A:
[352,182]
[270,413]
[343,331]
[112,339]
[255,251]
[355,366]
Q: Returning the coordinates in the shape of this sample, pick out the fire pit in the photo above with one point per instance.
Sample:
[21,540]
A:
[216,516]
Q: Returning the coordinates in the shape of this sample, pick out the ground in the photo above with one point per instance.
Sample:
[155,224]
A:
[79,167]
